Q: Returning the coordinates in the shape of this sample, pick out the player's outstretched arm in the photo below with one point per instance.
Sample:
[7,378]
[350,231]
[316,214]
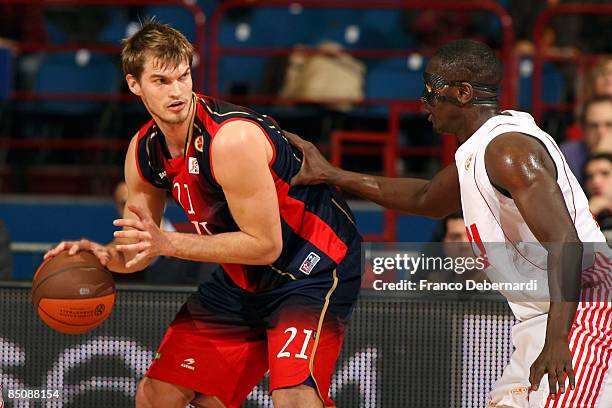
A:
[240,157]
[521,165]
[433,198]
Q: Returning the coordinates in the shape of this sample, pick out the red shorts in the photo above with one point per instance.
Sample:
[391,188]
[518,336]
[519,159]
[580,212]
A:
[229,369]
[222,347]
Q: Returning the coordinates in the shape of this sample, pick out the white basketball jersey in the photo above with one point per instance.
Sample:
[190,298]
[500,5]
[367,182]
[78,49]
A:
[495,224]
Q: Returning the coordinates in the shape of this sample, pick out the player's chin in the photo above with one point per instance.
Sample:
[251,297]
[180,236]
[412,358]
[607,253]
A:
[174,118]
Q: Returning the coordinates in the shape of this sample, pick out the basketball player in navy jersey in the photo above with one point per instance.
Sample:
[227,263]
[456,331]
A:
[515,189]
[290,256]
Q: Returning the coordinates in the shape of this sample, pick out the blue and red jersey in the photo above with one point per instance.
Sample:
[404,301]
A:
[317,225]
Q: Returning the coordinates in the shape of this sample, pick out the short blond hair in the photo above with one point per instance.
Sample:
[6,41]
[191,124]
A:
[160,41]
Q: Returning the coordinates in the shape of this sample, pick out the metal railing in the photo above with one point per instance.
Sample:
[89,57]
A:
[542,54]
[199,43]
[509,82]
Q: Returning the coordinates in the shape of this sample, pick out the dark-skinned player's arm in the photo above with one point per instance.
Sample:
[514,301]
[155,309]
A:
[141,194]
[433,198]
[521,165]
[240,157]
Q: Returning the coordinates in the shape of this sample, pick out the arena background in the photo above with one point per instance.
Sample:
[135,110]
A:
[66,118]
[399,351]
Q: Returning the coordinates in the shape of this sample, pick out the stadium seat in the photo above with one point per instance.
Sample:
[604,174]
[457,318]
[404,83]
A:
[552,83]
[75,73]
[116,30]
[382,29]
[178,17]
[400,78]
[241,75]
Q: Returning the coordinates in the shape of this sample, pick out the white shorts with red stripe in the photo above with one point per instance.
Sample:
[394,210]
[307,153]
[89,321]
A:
[591,346]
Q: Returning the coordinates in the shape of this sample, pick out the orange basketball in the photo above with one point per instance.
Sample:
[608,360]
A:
[73,294]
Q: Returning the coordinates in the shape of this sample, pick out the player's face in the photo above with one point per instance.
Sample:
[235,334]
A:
[165,90]
[598,177]
[441,113]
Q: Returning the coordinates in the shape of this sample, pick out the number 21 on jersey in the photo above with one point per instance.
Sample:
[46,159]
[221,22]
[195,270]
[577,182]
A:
[200,226]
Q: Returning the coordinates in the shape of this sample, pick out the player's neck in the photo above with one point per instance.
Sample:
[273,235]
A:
[474,119]
[176,134]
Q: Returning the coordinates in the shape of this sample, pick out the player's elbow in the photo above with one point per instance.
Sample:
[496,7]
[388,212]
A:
[271,249]
[437,213]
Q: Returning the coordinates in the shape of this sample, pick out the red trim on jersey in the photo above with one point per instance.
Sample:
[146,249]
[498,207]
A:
[141,133]
[591,356]
[308,225]
[212,138]
[239,275]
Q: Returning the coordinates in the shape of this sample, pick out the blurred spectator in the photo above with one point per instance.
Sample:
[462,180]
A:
[596,124]
[6,257]
[598,186]
[561,36]
[566,33]
[452,233]
[163,270]
[598,81]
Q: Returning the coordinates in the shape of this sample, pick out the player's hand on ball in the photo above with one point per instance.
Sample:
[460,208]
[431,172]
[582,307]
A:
[147,240]
[315,168]
[103,253]
[556,360]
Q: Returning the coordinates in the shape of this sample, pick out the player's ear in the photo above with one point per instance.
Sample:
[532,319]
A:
[465,93]
[133,84]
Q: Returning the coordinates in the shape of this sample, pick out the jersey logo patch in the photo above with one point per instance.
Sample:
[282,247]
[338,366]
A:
[519,390]
[468,162]
[194,167]
[199,144]
[309,263]
[189,363]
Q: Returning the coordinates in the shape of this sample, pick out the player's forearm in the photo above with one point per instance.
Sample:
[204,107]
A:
[230,247]
[403,194]
[561,317]
[564,282]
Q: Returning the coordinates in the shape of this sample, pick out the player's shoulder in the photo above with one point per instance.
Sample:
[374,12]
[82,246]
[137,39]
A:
[221,111]
[512,143]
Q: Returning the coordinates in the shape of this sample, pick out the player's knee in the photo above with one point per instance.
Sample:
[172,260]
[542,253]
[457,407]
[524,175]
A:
[301,396]
[142,394]
[152,393]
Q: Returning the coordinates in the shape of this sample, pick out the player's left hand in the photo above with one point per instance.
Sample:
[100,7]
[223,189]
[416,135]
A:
[556,360]
[148,239]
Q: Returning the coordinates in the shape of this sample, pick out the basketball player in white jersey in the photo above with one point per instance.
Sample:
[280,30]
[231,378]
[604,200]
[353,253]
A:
[517,193]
